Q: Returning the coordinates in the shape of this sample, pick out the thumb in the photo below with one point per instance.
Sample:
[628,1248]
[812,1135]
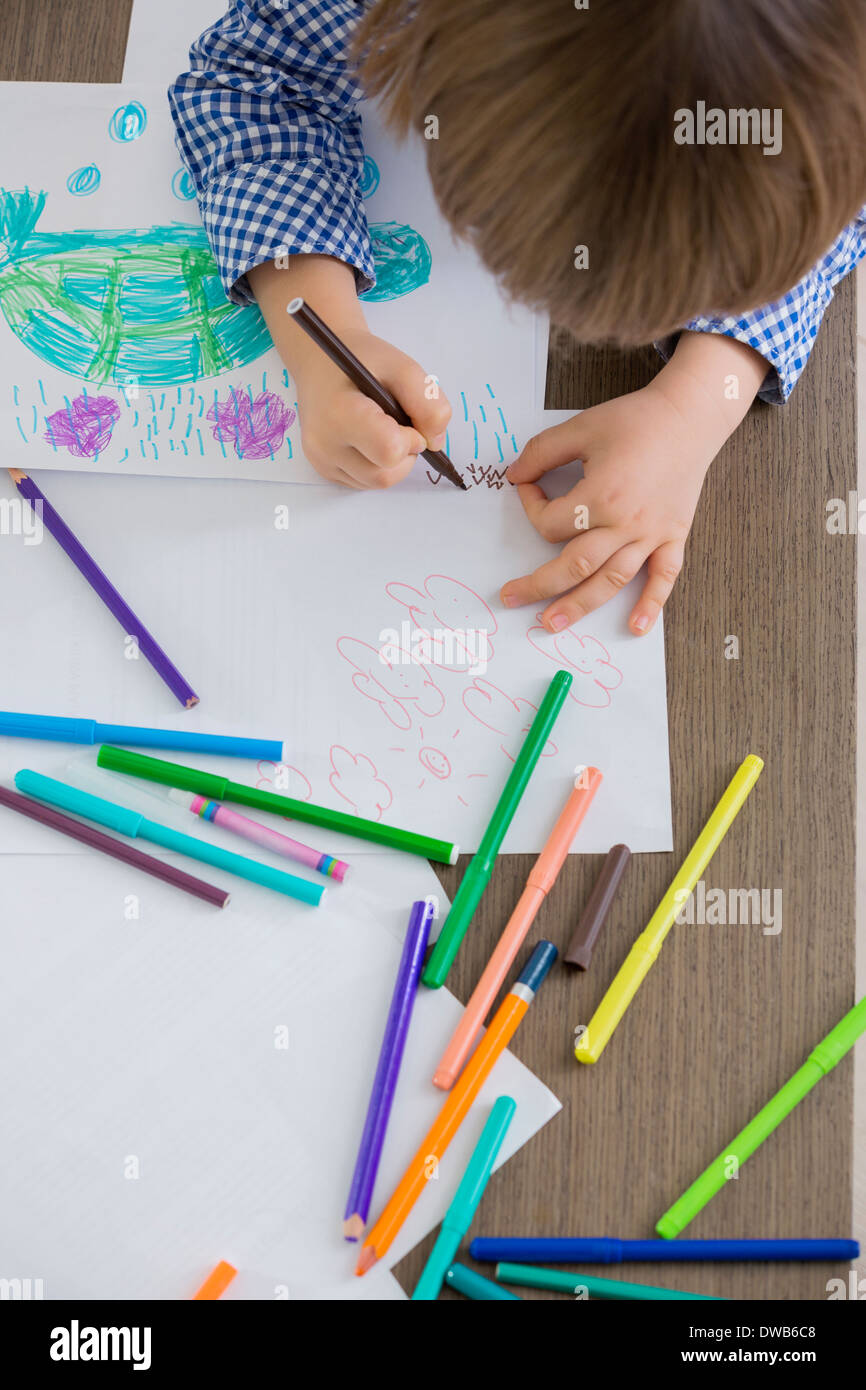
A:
[550,449]
[422,398]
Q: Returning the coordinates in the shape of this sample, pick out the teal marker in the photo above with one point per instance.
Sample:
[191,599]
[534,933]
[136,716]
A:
[469,1193]
[562,1281]
[132,823]
[473,1285]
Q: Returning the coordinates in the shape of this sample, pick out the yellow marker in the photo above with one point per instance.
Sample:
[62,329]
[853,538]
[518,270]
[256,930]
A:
[644,951]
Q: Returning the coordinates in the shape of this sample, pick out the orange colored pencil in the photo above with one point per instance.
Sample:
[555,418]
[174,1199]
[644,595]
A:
[542,877]
[457,1105]
[217,1281]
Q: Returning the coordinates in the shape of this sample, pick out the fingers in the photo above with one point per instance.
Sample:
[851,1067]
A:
[663,567]
[550,449]
[420,396]
[377,452]
[574,565]
[556,518]
[612,576]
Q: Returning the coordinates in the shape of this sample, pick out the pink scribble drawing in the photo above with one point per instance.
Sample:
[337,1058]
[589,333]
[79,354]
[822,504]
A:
[434,761]
[84,426]
[452,608]
[284,778]
[355,779]
[596,675]
[403,689]
[255,428]
[504,715]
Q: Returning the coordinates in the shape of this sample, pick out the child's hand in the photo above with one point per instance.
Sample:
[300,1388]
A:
[645,457]
[347,437]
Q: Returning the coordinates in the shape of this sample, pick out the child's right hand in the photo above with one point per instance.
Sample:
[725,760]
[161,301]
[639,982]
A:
[347,437]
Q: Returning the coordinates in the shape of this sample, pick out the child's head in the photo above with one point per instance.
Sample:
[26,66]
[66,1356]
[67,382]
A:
[558,128]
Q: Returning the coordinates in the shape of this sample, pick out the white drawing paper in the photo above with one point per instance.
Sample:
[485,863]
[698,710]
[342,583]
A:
[363,629]
[119,351]
[184,1085]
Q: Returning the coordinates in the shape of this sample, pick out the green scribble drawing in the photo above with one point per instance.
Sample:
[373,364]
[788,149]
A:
[402,259]
[144,305]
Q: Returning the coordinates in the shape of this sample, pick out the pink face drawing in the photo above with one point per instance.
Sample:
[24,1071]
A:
[355,779]
[595,675]
[506,716]
[435,762]
[403,689]
[447,606]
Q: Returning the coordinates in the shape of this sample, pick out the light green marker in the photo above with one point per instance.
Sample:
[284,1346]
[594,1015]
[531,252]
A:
[477,876]
[820,1061]
[563,1281]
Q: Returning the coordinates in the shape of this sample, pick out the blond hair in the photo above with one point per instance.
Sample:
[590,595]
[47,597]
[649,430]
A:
[556,129]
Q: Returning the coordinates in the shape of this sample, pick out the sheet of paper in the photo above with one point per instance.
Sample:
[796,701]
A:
[119,351]
[183,1085]
[363,629]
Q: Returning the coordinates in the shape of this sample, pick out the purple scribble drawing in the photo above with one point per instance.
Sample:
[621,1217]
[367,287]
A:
[83,426]
[256,428]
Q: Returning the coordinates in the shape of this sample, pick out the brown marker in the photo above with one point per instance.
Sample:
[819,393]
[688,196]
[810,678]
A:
[592,919]
[342,357]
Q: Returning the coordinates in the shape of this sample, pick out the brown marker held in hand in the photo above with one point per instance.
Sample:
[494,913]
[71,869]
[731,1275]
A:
[355,370]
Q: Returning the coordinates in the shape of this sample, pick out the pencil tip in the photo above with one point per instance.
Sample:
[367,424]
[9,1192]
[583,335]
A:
[366,1260]
[17,476]
[353,1228]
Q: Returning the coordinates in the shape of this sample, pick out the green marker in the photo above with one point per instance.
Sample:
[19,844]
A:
[533,1277]
[193,779]
[820,1061]
[477,876]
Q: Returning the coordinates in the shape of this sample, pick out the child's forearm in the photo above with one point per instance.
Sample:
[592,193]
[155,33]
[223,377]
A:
[712,380]
[328,284]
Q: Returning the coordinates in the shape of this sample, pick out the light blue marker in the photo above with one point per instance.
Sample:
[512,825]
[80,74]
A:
[137,826]
[61,730]
[473,1285]
[469,1193]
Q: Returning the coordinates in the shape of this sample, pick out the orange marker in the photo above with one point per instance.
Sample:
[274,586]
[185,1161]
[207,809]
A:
[541,879]
[217,1281]
[457,1104]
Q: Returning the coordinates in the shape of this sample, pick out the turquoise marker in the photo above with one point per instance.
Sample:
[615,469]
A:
[132,823]
[473,1285]
[469,1193]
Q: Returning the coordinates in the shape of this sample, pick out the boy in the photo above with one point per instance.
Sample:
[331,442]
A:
[701,157]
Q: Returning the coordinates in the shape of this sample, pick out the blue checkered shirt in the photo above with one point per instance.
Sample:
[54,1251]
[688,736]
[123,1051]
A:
[268,127]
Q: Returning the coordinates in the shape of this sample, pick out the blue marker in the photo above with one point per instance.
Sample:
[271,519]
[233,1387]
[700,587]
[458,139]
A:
[604,1250]
[61,730]
[132,823]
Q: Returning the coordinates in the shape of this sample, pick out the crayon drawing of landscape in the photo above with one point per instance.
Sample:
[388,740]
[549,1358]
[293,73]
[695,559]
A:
[120,349]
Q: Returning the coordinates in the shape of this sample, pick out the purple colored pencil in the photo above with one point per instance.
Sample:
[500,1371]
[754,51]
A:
[88,835]
[388,1069]
[102,585]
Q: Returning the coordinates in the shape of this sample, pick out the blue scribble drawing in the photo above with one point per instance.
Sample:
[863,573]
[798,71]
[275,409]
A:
[120,306]
[128,122]
[369,177]
[480,457]
[84,181]
[402,258]
[182,186]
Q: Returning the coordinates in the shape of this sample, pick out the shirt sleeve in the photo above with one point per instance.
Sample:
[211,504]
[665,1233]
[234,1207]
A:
[268,127]
[784,332]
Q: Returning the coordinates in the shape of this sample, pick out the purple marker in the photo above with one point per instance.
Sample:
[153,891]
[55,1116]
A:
[103,587]
[388,1069]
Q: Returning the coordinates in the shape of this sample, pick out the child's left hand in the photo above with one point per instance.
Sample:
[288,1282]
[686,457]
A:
[645,457]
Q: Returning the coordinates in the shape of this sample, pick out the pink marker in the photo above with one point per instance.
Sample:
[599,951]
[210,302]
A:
[260,834]
[542,877]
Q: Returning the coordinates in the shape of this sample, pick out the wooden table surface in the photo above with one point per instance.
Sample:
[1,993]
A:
[728,1013]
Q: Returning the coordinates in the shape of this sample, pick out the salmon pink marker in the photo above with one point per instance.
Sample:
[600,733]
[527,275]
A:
[542,877]
[260,834]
